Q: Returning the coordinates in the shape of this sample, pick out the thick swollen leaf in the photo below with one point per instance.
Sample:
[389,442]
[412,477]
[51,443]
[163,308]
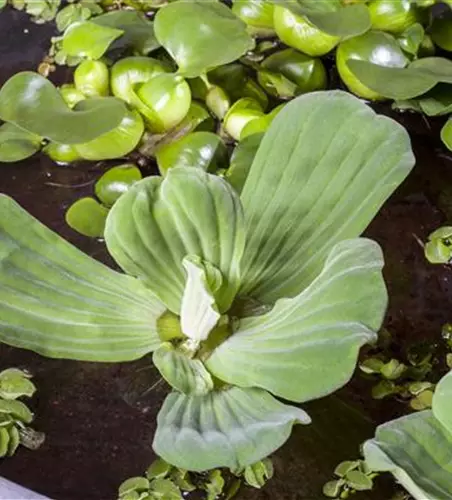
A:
[87,216]
[442,402]
[16,144]
[88,39]
[446,134]
[182,373]
[417,450]
[158,222]
[138,30]
[307,347]
[199,313]
[201,35]
[59,302]
[403,83]
[229,428]
[31,102]
[300,201]
[331,17]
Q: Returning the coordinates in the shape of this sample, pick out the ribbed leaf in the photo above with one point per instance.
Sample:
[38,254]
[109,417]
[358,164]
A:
[442,402]
[306,347]
[230,428]
[31,102]
[158,222]
[59,302]
[182,373]
[323,170]
[199,313]
[417,450]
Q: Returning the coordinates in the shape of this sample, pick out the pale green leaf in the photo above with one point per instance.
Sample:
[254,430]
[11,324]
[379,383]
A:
[17,409]
[199,313]
[229,428]
[182,373]
[32,102]
[88,39]
[158,222]
[403,83]
[438,101]
[201,35]
[442,402]
[299,201]
[17,144]
[307,347]
[15,383]
[417,450]
[59,302]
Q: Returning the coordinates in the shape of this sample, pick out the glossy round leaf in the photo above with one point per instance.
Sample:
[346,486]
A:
[198,149]
[394,16]
[87,217]
[201,35]
[88,39]
[17,144]
[241,113]
[117,143]
[31,102]
[446,134]
[115,182]
[92,79]
[61,153]
[257,14]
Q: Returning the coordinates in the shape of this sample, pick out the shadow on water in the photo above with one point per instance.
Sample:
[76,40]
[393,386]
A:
[97,432]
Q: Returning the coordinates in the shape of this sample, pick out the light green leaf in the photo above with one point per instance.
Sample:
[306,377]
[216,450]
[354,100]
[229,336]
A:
[87,216]
[17,409]
[438,101]
[59,302]
[403,83]
[88,39]
[201,35]
[15,383]
[446,134]
[300,201]
[138,31]
[159,469]
[165,489]
[4,441]
[158,222]
[17,144]
[31,102]
[199,313]
[115,182]
[257,475]
[331,17]
[442,402]
[182,373]
[229,428]
[307,347]
[417,450]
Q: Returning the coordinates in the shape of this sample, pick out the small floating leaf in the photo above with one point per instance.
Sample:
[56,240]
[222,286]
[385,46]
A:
[87,217]
[446,134]
[115,182]
[16,144]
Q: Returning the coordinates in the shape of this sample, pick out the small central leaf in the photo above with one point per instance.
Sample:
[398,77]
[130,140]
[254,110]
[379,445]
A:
[199,313]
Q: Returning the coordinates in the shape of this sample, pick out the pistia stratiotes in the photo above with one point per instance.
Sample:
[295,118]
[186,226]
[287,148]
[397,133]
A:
[241,299]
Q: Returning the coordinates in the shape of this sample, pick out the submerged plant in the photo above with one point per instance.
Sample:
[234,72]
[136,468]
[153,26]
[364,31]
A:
[241,299]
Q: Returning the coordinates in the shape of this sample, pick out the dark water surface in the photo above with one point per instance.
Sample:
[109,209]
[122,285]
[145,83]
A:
[96,439]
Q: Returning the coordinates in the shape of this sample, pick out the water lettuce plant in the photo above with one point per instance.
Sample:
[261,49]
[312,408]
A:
[241,299]
[417,449]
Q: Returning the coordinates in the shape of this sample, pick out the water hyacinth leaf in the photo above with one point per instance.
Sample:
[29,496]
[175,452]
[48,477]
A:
[199,313]
[182,373]
[241,161]
[231,428]
[199,149]
[59,302]
[220,39]
[115,182]
[442,402]
[17,144]
[358,160]
[87,217]
[313,338]
[31,102]
[158,222]
[331,17]
[446,134]
[403,83]
[441,32]
[138,31]
[411,39]
[438,101]
[88,39]
[417,450]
